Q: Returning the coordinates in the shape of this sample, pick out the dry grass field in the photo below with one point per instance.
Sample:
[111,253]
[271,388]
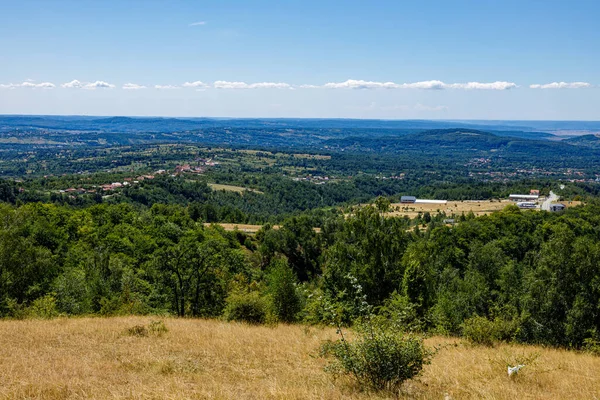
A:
[96,358]
[478,207]
[231,188]
[247,228]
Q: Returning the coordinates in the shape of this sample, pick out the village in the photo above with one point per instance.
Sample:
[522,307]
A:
[130,181]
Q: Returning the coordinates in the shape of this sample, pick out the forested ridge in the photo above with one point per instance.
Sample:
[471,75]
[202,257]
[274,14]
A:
[534,275]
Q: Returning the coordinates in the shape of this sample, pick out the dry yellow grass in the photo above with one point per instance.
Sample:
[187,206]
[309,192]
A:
[232,188]
[241,227]
[247,228]
[198,359]
[482,207]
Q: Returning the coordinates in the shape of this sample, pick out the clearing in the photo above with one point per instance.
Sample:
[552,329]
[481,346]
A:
[232,188]
[85,358]
[478,207]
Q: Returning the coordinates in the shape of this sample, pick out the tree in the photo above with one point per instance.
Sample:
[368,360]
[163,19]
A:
[281,282]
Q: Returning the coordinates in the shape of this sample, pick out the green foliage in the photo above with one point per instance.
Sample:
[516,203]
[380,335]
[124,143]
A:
[281,284]
[378,359]
[43,308]
[249,307]
[482,331]
[157,327]
[402,315]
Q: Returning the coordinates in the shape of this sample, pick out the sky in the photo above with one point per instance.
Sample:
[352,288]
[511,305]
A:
[446,59]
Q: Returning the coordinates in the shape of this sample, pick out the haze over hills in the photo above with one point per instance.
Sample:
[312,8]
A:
[501,140]
[530,129]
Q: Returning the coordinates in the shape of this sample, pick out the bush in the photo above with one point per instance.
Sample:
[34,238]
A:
[381,359]
[157,328]
[282,288]
[137,330]
[401,314]
[592,343]
[480,330]
[246,307]
[43,307]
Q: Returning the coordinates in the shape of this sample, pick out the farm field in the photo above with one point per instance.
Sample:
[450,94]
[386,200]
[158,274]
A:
[231,188]
[478,207]
[85,358]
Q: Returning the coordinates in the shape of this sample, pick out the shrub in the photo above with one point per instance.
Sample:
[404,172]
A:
[480,330]
[157,328]
[401,314]
[592,343]
[43,307]
[137,330]
[282,288]
[246,307]
[379,360]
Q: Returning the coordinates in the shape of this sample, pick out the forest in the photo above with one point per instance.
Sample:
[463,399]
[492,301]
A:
[531,276]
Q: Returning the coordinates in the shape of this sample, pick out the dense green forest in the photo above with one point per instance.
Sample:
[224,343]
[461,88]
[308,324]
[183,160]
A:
[533,274]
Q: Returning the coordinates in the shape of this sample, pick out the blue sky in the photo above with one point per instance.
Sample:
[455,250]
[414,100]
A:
[346,59]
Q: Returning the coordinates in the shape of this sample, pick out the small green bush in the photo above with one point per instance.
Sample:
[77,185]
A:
[592,343]
[378,360]
[157,328]
[480,330]
[246,307]
[43,308]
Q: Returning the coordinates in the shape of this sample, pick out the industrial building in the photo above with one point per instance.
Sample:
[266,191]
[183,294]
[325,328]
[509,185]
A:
[524,197]
[408,199]
[526,204]
[557,207]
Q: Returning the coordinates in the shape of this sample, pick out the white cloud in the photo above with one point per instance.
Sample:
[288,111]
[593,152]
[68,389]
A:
[199,23]
[498,85]
[133,86]
[196,84]
[244,85]
[75,84]
[425,85]
[28,84]
[561,85]
[99,84]
[360,84]
[166,87]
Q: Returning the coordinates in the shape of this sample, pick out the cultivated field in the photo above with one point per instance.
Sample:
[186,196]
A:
[478,207]
[231,188]
[95,358]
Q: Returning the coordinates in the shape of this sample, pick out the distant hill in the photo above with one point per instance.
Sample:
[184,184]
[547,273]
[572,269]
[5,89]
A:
[458,143]
[592,141]
[170,125]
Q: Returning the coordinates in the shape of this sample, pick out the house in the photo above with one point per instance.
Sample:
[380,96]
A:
[557,207]
[534,192]
[408,199]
